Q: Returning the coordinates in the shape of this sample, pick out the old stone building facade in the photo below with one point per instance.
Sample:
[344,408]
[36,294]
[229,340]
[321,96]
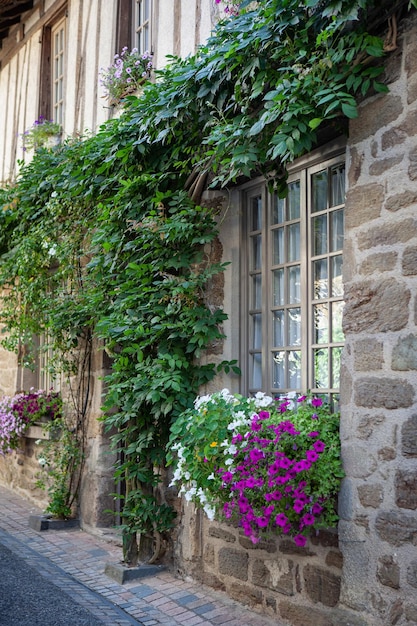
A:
[365,572]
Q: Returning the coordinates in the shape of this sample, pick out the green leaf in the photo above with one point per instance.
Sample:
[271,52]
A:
[315,122]
[350,110]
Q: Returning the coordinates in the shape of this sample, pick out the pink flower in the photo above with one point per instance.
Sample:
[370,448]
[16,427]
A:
[256,455]
[311,455]
[316,509]
[263,415]
[281,520]
[318,446]
[300,540]
[298,506]
[308,519]
[316,402]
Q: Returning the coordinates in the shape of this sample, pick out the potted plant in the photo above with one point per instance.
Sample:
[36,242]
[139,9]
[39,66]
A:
[60,458]
[272,466]
[128,72]
[42,133]
[21,411]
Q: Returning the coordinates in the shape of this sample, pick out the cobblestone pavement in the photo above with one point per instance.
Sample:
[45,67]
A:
[75,560]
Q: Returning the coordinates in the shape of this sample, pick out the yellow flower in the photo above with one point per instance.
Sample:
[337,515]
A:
[213,444]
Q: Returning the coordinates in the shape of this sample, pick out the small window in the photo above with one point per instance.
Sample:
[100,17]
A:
[53,68]
[293,283]
[142,25]
[58,68]
[47,377]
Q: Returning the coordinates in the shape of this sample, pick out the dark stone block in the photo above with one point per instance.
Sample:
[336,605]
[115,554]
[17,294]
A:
[122,573]
[43,522]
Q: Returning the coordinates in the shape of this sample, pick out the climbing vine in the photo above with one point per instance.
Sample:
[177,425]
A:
[109,236]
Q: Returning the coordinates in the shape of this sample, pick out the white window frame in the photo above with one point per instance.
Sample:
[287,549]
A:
[58,68]
[142,25]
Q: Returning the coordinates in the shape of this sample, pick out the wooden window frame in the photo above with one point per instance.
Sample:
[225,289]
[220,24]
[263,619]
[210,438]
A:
[126,28]
[45,104]
[257,320]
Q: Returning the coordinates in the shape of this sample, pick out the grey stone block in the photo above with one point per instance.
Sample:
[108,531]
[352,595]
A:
[43,522]
[123,574]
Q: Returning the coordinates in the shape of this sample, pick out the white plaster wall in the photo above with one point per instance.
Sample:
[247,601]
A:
[188,20]
[163,32]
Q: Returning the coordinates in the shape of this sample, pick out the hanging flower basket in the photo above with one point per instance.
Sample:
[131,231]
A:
[42,134]
[126,75]
[271,466]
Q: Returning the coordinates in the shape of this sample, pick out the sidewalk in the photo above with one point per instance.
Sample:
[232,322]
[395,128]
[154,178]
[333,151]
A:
[75,561]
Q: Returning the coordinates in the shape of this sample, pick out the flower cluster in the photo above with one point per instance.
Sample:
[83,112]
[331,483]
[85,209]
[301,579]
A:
[18,412]
[273,466]
[38,134]
[126,74]
[232,6]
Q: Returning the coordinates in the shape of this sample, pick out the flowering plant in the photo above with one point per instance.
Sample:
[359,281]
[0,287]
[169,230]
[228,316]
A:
[232,6]
[38,134]
[18,412]
[270,465]
[127,73]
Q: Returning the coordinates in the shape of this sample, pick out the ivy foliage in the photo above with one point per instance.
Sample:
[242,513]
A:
[99,235]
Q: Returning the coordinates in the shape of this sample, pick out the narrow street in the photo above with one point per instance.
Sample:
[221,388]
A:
[56,578]
[28,598]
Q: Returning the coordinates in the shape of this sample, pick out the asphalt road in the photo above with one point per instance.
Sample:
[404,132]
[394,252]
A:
[29,599]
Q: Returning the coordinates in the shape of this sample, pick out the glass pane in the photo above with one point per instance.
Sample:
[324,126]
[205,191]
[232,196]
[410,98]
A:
[146,43]
[278,375]
[294,327]
[256,378]
[278,327]
[257,331]
[278,211]
[294,369]
[294,286]
[337,283]
[319,182]
[338,184]
[321,323]
[278,287]
[293,200]
[256,213]
[278,246]
[336,230]
[320,235]
[321,368]
[147,9]
[336,359]
[321,280]
[294,242]
[337,315]
[256,243]
[257,291]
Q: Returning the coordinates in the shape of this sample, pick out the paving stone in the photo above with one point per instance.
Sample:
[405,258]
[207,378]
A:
[76,560]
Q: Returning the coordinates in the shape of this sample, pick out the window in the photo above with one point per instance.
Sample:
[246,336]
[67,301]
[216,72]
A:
[58,66]
[142,22]
[52,80]
[47,378]
[134,25]
[293,281]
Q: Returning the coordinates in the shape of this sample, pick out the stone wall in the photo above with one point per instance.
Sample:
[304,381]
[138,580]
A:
[378,529]
[300,585]
[20,469]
